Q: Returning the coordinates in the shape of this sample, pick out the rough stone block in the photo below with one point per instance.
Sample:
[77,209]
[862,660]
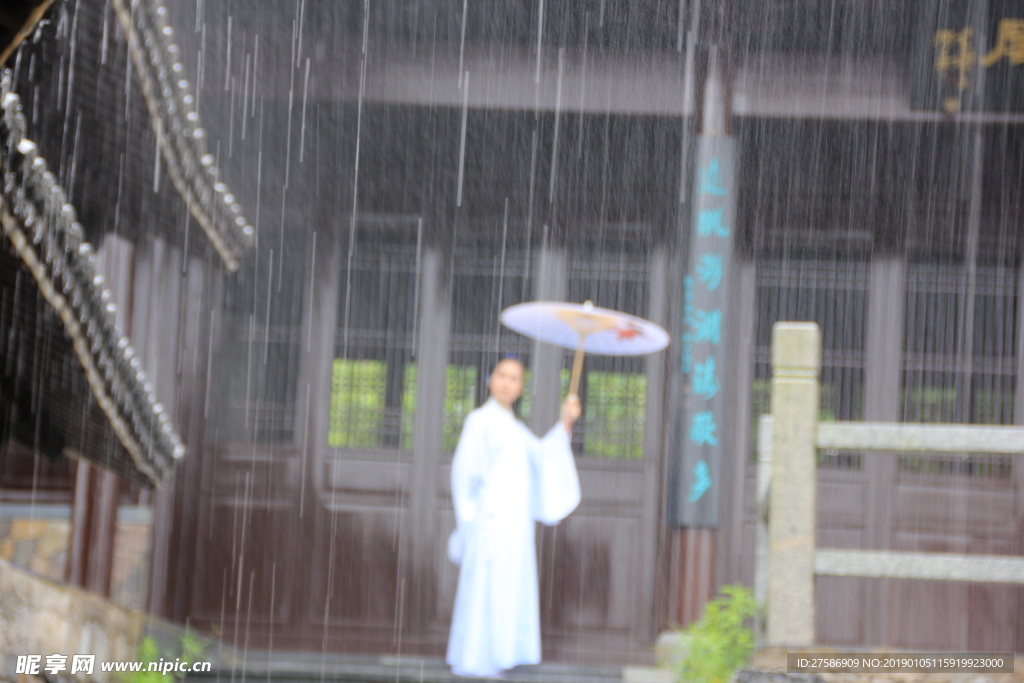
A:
[41,617]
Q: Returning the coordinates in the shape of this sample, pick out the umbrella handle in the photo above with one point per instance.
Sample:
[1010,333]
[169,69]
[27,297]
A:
[577,369]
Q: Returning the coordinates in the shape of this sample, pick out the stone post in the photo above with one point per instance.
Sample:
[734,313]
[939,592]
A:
[796,358]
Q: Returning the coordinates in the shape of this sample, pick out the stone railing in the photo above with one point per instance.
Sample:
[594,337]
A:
[788,439]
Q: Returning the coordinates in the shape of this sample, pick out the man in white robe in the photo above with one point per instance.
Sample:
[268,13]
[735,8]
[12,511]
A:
[504,480]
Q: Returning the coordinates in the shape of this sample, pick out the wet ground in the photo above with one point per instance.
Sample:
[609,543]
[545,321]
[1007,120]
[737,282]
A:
[303,667]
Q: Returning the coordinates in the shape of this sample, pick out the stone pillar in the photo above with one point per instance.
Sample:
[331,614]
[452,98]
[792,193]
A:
[796,359]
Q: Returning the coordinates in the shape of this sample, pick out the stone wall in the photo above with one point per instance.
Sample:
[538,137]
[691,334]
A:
[41,617]
[36,538]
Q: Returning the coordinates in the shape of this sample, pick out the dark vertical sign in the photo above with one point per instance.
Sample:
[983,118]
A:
[701,423]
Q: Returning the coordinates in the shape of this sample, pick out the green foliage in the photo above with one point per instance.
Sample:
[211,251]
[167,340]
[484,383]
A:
[459,400]
[614,406]
[192,649]
[526,402]
[357,403]
[148,652]
[409,406]
[929,404]
[614,411]
[719,643]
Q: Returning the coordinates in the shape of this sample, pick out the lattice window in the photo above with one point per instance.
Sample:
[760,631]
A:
[373,377]
[486,279]
[358,416]
[613,388]
[256,365]
[834,295]
[613,273]
[959,357]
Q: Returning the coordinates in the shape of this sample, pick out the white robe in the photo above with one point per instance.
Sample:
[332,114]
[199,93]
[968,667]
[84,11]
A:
[504,479]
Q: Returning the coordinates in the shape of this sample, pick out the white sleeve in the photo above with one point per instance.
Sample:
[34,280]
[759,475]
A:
[556,490]
[467,477]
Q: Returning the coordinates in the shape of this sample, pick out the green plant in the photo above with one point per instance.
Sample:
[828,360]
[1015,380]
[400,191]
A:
[719,643]
[192,650]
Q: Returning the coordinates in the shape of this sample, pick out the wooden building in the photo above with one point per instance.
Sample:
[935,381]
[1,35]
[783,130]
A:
[415,168]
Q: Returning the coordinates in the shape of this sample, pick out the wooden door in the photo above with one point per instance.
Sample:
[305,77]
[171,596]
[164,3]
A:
[324,514]
[597,568]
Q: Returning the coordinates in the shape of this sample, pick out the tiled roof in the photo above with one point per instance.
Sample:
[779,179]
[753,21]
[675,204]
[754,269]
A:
[42,228]
[173,110]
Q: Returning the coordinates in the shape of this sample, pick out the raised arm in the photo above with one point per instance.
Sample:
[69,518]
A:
[556,483]
[570,412]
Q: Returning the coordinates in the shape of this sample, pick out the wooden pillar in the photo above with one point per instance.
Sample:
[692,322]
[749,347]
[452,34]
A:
[693,556]
[657,370]
[882,383]
[97,491]
[700,415]
[730,564]
[174,297]
[796,360]
[546,362]
[431,362]
[93,525]
[762,553]
[1018,465]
